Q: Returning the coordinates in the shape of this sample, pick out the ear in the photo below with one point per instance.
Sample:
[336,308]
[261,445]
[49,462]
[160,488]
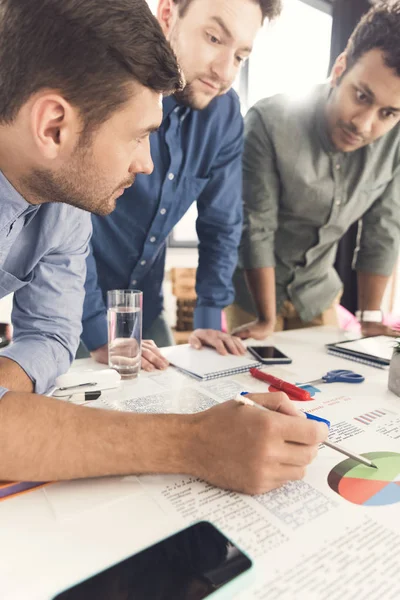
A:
[54,125]
[166,14]
[338,69]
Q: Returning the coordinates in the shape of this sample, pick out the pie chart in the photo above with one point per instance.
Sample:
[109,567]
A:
[367,486]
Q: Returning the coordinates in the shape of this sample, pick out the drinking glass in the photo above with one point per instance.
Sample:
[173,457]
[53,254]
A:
[125,331]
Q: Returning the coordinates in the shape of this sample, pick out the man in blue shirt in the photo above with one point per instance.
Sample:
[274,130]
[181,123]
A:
[79,95]
[197,158]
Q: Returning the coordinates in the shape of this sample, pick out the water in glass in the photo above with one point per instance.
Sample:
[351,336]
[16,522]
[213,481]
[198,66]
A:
[124,333]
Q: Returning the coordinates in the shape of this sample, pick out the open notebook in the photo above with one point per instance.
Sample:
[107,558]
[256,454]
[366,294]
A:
[207,363]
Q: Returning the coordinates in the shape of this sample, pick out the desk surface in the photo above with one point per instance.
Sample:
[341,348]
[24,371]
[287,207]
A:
[57,535]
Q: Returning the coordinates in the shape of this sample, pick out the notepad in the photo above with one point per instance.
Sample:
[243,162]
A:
[206,363]
[375,351]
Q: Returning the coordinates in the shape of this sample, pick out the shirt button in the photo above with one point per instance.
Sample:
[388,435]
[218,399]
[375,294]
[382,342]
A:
[143,262]
[163,211]
[171,176]
[338,202]
[134,282]
[337,167]
[152,239]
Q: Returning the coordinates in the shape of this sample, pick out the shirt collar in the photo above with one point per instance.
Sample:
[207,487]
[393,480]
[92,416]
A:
[12,204]
[170,104]
[321,120]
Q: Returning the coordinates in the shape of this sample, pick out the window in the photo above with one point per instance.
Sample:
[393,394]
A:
[291,54]
[153,5]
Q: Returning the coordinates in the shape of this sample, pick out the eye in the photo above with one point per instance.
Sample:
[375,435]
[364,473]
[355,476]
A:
[361,96]
[213,39]
[387,114]
[241,59]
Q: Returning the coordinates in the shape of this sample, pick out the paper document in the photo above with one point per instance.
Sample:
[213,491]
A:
[333,536]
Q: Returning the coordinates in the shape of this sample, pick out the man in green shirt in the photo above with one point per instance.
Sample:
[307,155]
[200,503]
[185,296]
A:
[311,169]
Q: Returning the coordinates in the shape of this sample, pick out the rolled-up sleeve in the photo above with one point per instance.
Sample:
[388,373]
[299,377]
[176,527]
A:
[47,311]
[380,233]
[261,190]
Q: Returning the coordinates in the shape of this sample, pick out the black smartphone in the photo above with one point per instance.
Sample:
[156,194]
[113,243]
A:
[197,562]
[269,355]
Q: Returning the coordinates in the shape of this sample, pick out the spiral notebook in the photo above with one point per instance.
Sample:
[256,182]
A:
[206,363]
[375,351]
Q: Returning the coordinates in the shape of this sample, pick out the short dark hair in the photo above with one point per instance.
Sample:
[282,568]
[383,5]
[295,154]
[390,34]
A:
[269,8]
[378,28]
[88,50]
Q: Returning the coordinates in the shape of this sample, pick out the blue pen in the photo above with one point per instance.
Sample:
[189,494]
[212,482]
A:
[357,457]
[315,418]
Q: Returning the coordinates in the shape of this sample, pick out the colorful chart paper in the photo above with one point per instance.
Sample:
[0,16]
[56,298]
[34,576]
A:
[364,485]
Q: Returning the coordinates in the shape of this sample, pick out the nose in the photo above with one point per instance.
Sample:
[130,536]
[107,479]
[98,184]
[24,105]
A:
[225,68]
[364,121]
[142,161]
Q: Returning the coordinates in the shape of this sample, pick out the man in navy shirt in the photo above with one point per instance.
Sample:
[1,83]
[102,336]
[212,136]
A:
[197,158]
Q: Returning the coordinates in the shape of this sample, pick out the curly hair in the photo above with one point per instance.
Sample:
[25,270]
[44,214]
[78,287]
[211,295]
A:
[378,28]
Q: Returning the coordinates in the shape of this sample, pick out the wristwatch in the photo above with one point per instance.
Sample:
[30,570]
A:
[369,316]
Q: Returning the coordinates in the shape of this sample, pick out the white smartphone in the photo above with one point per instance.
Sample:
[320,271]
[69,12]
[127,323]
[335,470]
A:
[195,563]
[269,355]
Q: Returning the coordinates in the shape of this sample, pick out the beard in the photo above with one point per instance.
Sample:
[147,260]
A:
[79,184]
[190,98]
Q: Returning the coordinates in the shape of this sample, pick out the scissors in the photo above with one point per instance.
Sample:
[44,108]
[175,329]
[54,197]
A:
[339,376]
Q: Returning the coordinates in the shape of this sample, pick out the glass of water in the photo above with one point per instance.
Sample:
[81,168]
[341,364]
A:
[125,331]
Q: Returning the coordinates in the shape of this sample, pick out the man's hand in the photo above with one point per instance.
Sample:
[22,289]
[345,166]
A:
[222,342]
[242,448]
[258,330]
[369,328]
[152,358]
[101,354]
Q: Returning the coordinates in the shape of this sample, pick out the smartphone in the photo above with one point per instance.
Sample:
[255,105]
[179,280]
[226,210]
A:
[197,562]
[269,355]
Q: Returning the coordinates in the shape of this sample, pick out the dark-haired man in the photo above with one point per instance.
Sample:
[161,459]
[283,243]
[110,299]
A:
[311,169]
[79,96]
[197,156]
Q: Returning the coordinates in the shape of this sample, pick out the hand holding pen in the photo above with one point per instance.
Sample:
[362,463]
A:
[244,399]
[254,451]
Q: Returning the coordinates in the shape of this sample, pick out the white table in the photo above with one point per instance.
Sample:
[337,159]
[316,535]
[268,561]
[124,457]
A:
[52,537]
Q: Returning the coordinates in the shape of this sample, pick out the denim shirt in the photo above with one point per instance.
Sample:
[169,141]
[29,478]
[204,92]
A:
[197,158]
[43,262]
[301,195]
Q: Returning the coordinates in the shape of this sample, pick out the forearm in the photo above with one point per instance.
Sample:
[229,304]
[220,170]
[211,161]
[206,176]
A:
[13,377]
[44,439]
[261,283]
[371,288]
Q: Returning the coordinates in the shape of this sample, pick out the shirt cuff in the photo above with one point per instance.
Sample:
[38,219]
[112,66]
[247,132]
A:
[95,332]
[207,317]
[37,364]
